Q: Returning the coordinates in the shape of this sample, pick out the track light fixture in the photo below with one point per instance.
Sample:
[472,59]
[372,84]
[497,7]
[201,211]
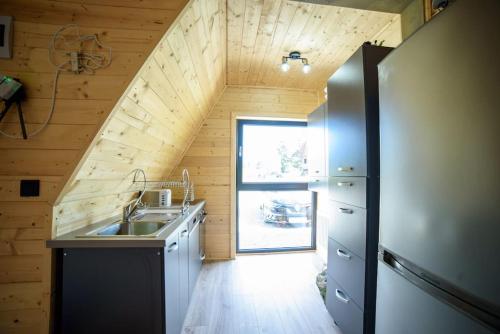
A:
[295,55]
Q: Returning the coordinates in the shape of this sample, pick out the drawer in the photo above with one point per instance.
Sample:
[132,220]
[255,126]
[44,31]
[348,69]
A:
[350,190]
[318,184]
[348,226]
[347,269]
[346,314]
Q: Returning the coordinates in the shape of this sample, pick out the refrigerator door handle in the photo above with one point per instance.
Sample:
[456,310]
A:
[341,296]
[343,254]
[479,309]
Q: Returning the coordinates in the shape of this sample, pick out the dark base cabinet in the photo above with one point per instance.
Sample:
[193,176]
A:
[121,290]
[112,290]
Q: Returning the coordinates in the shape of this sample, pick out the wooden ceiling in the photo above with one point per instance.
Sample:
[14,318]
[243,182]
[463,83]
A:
[260,32]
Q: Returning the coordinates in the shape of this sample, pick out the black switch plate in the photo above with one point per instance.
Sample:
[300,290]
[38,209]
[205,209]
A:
[30,188]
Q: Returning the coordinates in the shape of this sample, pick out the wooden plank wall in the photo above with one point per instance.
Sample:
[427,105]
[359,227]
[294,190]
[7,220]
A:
[133,29]
[156,119]
[208,159]
[412,17]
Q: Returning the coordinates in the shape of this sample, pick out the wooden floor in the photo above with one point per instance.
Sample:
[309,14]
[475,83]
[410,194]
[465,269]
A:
[259,294]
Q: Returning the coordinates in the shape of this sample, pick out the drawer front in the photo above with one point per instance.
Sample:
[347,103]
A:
[318,184]
[346,314]
[350,190]
[347,269]
[348,226]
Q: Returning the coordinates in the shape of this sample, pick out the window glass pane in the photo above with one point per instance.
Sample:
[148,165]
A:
[274,219]
[274,154]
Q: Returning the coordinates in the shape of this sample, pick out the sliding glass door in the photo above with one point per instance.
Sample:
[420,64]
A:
[275,211]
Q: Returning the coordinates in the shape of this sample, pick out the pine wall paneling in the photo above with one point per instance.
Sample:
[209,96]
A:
[149,109]
[209,158]
[154,121]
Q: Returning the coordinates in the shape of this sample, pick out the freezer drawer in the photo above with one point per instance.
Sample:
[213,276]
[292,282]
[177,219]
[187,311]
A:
[347,269]
[348,226]
[350,190]
[402,307]
[344,312]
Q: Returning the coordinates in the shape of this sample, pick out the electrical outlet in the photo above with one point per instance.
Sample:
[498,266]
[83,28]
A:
[30,188]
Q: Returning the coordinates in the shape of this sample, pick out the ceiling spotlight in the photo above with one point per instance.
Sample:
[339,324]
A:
[306,68]
[295,55]
[284,65]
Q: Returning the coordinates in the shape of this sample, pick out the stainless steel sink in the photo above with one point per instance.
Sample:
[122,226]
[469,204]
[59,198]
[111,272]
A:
[133,229]
[171,210]
[147,223]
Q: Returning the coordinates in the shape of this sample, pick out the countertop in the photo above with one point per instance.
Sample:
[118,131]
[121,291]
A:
[71,240]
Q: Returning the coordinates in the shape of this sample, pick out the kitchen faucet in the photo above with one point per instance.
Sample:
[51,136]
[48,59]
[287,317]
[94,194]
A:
[129,209]
[187,190]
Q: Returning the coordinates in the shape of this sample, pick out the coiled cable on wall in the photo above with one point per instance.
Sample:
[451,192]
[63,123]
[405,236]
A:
[77,60]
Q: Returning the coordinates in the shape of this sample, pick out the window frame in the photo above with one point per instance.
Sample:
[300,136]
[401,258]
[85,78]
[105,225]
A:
[268,186]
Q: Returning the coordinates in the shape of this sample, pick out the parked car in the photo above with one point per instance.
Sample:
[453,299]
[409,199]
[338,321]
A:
[287,213]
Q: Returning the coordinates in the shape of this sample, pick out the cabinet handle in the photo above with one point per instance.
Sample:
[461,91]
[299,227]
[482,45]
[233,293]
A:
[345,184]
[347,211]
[202,257]
[174,246]
[316,171]
[184,233]
[345,169]
[341,296]
[343,254]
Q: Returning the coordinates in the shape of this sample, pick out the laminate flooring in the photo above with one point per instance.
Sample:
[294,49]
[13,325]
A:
[259,294]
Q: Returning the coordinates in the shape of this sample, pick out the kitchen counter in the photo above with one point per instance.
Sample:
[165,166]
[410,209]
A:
[74,239]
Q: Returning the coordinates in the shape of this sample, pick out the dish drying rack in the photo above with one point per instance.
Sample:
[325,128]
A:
[185,184]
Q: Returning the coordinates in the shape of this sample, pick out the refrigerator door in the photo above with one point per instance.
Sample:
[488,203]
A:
[440,150]
[403,308]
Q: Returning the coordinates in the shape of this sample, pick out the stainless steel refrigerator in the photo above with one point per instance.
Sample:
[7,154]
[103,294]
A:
[439,248]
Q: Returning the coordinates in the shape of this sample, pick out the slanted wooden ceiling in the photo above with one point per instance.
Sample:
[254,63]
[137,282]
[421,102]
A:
[260,32]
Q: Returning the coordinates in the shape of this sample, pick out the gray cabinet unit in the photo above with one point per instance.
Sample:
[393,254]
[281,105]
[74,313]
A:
[353,184]
[348,316]
[128,290]
[109,290]
[173,322]
[183,270]
[195,258]
[316,142]
[317,162]
[348,227]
